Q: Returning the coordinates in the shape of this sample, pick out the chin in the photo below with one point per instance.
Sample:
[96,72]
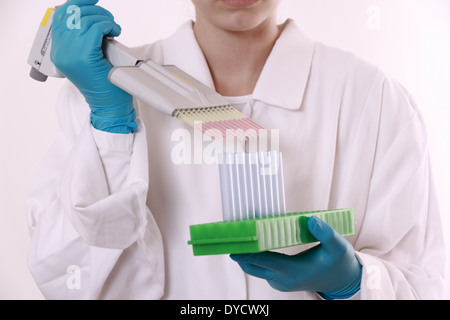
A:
[243,15]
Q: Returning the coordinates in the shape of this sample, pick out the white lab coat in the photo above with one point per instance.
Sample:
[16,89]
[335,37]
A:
[109,214]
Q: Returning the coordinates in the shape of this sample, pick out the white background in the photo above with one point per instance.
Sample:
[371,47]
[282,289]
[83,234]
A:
[409,39]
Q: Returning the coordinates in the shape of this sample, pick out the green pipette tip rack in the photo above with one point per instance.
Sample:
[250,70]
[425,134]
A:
[262,234]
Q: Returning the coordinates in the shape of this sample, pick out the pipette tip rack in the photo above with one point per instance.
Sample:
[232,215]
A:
[262,234]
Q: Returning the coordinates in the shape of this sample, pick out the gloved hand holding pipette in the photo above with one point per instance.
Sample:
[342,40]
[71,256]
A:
[330,268]
[77,53]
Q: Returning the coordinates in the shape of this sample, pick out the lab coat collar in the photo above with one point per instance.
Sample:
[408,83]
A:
[182,50]
[284,77]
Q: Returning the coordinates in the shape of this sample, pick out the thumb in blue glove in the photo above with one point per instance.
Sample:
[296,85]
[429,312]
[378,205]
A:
[330,268]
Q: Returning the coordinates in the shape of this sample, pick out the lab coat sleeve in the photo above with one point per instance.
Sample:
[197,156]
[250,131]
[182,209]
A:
[87,208]
[103,189]
[400,243]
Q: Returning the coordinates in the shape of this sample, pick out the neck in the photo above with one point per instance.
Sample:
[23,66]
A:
[236,58]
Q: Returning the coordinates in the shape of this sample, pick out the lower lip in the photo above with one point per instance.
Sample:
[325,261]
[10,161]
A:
[239,3]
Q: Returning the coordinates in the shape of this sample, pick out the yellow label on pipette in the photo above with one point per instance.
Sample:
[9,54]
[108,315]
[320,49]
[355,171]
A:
[47,15]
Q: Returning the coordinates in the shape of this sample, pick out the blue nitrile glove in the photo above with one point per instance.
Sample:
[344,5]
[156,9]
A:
[77,53]
[330,268]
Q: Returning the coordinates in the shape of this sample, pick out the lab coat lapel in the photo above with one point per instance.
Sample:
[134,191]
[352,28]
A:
[183,51]
[284,78]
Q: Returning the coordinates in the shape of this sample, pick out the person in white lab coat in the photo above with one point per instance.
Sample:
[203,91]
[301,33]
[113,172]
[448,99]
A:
[109,211]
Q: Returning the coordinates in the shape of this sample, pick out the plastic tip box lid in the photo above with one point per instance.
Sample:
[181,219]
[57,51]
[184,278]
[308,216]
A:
[262,234]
